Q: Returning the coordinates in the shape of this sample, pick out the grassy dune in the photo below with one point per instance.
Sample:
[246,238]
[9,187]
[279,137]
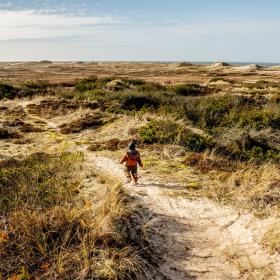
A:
[225,131]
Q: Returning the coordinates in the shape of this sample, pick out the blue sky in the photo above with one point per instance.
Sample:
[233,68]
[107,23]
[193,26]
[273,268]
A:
[191,30]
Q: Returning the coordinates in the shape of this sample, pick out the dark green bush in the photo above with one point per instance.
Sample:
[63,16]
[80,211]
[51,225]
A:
[151,87]
[138,100]
[160,131]
[8,91]
[252,118]
[86,84]
[208,112]
[195,142]
[189,90]
[135,82]
[169,132]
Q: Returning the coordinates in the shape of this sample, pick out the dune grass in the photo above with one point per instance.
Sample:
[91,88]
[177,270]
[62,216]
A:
[48,231]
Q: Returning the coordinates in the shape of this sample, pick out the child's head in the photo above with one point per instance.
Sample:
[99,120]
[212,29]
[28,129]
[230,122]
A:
[132,146]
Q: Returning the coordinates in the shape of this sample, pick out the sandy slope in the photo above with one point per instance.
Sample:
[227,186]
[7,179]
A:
[199,239]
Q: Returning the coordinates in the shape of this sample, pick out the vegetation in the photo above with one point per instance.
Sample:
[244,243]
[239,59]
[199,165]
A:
[49,233]
[216,115]
[170,132]
[7,91]
[189,89]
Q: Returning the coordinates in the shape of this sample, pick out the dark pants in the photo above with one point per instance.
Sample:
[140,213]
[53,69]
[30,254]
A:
[131,170]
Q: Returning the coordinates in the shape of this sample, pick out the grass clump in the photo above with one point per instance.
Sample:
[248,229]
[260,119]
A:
[40,180]
[271,239]
[253,187]
[48,232]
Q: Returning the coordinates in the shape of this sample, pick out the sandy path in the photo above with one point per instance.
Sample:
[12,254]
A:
[199,239]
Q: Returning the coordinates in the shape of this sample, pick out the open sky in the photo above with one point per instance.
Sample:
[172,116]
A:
[165,30]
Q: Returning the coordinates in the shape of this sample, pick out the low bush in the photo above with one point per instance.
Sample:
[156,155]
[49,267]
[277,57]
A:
[138,101]
[161,132]
[189,89]
[150,87]
[8,91]
[170,132]
[86,84]
[195,142]
[252,118]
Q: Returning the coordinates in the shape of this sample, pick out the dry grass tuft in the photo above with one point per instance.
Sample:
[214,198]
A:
[247,267]
[271,238]
[258,186]
[47,232]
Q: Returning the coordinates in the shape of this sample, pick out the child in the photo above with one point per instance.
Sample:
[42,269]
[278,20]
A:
[131,159]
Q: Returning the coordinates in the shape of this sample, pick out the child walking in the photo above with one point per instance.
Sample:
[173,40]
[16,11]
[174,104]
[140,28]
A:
[131,159]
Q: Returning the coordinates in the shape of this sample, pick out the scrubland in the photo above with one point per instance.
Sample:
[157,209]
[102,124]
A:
[212,133]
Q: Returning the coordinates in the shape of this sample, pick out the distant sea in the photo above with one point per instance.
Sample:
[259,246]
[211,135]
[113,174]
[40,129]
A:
[265,64]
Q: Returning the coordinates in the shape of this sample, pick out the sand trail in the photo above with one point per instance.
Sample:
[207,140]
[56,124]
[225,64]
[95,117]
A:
[200,239]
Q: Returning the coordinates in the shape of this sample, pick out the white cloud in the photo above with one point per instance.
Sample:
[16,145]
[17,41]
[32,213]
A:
[104,37]
[32,24]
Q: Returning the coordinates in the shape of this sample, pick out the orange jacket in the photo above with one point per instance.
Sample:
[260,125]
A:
[131,158]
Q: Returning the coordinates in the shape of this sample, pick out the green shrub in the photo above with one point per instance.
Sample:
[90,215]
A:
[8,91]
[138,100]
[86,84]
[38,85]
[228,111]
[160,131]
[208,112]
[150,87]
[189,90]
[170,132]
[134,82]
[198,143]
